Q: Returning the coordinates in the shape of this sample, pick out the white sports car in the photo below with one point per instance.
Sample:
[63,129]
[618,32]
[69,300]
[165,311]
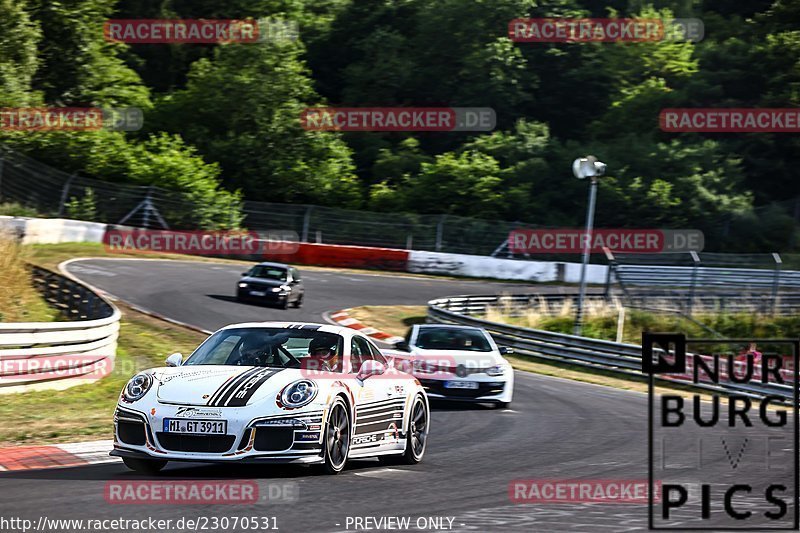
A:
[273,392]
[457,363]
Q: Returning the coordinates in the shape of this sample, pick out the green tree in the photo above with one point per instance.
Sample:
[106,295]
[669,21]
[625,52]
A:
[242,110]
[19,36]
[78,67]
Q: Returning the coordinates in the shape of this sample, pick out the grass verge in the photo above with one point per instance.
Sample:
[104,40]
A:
[601,321]
[19,300]
[395,319]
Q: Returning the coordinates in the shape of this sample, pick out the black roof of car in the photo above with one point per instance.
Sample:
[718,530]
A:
[274,265]
[446,326]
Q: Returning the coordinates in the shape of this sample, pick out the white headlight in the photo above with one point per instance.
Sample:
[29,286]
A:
[276,289]
[137,387]
[497,370]
[299,393]
[243,285]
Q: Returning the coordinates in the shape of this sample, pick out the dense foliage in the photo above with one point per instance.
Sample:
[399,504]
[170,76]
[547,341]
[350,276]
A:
[223,120]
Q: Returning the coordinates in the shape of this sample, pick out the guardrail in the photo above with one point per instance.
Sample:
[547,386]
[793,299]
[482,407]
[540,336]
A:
[616,358]
[58,355]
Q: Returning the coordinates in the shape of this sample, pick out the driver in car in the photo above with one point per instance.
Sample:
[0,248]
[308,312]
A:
[323,355]
[253,351]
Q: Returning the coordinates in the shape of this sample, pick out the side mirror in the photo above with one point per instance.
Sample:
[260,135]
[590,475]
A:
[245,274]
[506,350]
[175,359]
[370,368]
[402,346]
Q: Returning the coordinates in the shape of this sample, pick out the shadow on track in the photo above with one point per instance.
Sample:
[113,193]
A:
[177,471]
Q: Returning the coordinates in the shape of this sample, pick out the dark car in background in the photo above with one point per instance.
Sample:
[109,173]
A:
[271,283]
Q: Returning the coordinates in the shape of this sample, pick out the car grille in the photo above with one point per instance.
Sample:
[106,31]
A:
[485,388]
[131,427]
[177,442]
[273,439]
[131,433]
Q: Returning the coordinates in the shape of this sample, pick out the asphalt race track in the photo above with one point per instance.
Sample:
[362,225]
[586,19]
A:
[202,294]
[555,429]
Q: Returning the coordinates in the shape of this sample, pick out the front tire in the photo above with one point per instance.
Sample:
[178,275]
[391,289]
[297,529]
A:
[145,466]
[337,437]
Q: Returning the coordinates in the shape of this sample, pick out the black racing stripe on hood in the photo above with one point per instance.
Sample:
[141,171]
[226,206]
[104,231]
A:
[243,393]
[229,386]
[311,327]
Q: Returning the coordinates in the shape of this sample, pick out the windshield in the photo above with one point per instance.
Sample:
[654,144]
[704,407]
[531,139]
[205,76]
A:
[471,340]
[267,272]
[270,347]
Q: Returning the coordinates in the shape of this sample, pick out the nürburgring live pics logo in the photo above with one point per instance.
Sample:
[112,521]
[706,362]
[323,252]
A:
[725,454]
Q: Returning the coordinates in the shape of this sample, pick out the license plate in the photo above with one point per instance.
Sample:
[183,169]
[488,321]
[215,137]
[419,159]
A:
[258,293]
[460,385]
[197,427]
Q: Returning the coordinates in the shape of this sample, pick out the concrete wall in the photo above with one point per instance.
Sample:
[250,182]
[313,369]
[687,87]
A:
[56,230]
[53,230]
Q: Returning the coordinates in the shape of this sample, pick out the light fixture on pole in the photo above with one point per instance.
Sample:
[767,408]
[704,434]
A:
[582,168]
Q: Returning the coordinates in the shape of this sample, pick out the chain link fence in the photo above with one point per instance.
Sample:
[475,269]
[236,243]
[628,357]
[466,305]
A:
[52,192]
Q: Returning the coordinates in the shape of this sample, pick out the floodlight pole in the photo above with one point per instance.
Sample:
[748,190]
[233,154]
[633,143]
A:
[587,248]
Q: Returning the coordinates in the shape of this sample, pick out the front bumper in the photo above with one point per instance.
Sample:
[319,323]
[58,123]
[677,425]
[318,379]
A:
[268,296]
[276,438]
[486,391]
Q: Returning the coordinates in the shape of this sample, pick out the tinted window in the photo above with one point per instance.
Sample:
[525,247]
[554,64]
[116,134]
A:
[471,340]
[275,273]
[376,353]
[272,347]
[357,356]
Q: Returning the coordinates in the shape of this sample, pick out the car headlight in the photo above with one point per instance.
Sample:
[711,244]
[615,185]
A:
[277,289]
[137,387]
[299,393]
[243,285]
[497,370]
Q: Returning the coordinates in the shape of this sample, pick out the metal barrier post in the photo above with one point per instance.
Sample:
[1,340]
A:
[609,273]
[439,233]
[693,286]
[64,192]
[776,280]
[306,223]
[587,250]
